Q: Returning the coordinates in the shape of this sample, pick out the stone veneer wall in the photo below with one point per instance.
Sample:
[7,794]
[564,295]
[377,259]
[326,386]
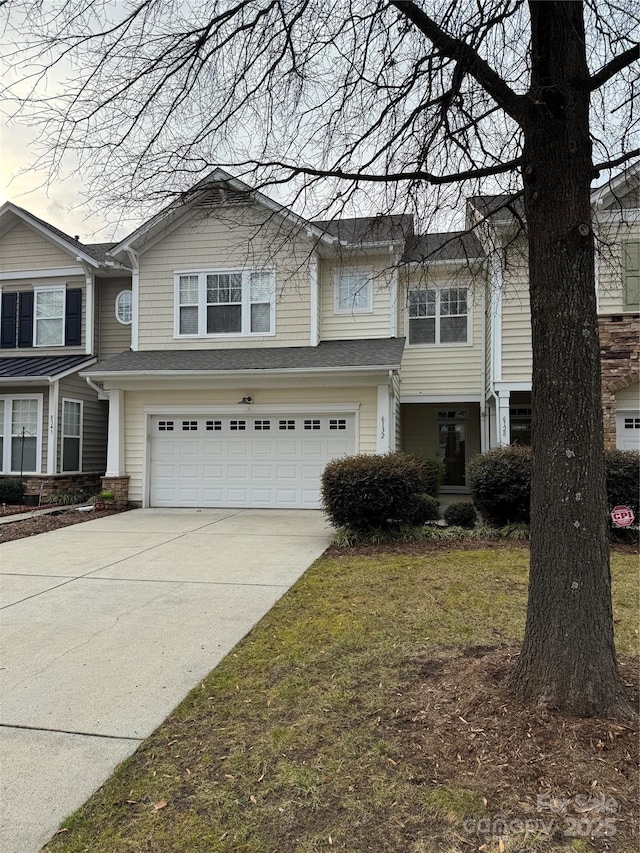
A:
[120,488]
[620,362]
[50,484]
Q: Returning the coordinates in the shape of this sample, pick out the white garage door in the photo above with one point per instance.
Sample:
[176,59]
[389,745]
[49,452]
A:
[628,430]
[245,460]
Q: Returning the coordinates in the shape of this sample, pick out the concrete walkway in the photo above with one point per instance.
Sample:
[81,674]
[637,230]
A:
[105,627]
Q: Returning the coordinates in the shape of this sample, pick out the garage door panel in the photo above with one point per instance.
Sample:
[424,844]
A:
[255,461]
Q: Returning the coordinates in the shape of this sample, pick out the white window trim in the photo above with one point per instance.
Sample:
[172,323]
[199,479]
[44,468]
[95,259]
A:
[202,303]
[117,307]
[5,461]
[467,343]
[36,291]
[63,436]
[344,271]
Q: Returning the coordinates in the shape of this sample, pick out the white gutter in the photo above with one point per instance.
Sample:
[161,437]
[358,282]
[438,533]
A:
[253,371]
[102,394]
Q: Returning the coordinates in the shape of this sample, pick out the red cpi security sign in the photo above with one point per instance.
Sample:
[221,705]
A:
[622,516]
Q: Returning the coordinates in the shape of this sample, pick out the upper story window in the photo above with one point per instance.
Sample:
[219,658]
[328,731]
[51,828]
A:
[631,274]
[225,303]
[124,307]
[49,315]
[41,317]
[353,292]
[439,316]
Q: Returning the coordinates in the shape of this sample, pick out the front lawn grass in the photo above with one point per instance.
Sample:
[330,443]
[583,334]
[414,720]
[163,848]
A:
[367,712]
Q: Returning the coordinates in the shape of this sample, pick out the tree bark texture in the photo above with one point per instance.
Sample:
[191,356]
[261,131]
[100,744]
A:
[568,658]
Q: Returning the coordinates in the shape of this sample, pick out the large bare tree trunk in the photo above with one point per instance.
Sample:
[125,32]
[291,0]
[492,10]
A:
[568,658]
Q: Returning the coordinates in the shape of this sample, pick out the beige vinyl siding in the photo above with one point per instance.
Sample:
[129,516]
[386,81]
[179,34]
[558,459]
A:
[611,296]
[516,317]
[114,337]
[246,237]
[420,427]
[370,324]
[135,419]
[21,248]
[95,415]
[20,285]
[429,369]
[628,398]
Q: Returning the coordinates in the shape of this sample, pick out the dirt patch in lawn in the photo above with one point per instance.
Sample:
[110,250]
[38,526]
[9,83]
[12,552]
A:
[455,729]
[46,522]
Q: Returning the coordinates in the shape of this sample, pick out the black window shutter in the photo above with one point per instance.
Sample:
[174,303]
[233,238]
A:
[9,316]
[73,321]
[25,319]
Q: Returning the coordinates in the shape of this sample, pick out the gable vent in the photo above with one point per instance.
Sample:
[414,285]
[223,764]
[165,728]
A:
[222,195]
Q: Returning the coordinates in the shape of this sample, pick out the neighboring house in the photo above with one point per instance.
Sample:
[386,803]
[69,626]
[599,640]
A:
[57,316]
[262,345]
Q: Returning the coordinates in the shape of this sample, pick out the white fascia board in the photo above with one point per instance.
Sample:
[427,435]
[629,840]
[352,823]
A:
[452,262]
[509,386]
[53,272]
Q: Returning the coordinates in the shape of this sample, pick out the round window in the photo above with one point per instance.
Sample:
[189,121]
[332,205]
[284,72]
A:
[124,307]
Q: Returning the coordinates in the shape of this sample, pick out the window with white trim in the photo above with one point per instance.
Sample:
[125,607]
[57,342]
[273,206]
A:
[48,316]
[71,435]
[353,292]
[124,307]
[439,316]
[225,303]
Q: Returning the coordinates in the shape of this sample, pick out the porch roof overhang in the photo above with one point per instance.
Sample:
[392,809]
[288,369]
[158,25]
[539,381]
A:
[32,370]
[351,356]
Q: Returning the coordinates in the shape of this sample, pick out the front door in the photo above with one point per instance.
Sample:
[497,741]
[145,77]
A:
[452,449]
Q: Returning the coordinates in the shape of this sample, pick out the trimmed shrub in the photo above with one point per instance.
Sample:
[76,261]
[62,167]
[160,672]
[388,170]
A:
[623,478]
[374,492]
[432,471]
[500,483]
[11,491]
[460,514]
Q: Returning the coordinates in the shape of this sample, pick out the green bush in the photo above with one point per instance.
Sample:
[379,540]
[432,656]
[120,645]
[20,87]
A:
[623,478]
[433,473]
[11,491]
[500,483]
[368,492]
[460,514]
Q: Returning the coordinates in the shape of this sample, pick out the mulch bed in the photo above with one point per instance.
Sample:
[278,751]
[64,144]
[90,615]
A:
[51,521]
[454,724]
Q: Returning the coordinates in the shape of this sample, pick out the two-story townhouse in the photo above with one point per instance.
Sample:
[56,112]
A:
[62,305]
[262,347]
[508,364]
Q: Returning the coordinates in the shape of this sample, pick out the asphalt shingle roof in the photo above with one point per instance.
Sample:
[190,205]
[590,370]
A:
[369,229]
[31,367]
[452,245]
[378,352]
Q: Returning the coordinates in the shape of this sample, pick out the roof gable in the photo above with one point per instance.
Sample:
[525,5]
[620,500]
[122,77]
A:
[11,214]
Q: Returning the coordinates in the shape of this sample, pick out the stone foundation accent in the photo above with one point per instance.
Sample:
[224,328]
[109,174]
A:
[45,485]
[620,364]
[120,488]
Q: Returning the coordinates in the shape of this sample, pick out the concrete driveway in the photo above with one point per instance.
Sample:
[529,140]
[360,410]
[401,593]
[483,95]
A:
[105,626]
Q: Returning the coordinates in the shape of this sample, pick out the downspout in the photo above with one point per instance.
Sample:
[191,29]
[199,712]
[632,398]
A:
[102,394]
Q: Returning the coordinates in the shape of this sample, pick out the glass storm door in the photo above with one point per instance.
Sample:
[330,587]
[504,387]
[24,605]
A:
[452,450]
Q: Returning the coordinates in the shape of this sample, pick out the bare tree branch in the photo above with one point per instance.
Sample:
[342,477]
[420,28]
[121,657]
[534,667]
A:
[613,67]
